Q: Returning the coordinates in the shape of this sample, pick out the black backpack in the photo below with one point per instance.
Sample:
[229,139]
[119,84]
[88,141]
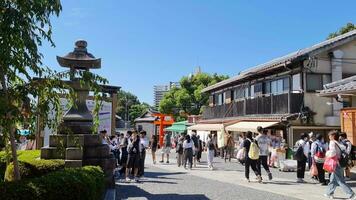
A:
[179,149]
[299,153]
[344,158]
[353,153]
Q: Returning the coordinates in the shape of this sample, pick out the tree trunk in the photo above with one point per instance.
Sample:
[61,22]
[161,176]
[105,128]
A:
[10,128]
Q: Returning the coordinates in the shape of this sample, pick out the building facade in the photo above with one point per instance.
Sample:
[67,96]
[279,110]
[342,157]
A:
[284,92]
[160,90]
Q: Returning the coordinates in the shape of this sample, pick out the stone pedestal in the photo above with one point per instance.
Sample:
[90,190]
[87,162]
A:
[80,150]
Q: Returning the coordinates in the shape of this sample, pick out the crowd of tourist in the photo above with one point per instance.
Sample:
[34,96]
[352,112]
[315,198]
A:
[130,152]
[251,150]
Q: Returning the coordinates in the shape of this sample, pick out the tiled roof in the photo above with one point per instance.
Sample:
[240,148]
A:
[343,87]
[271,117]
[309,51]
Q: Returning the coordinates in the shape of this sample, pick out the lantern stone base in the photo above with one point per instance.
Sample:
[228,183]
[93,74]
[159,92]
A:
[80,150]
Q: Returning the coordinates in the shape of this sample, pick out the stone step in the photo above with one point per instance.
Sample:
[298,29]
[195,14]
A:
[74,153]
[52,153]
[73,163]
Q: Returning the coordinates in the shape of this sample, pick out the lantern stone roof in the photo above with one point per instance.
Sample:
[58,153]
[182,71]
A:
[80,58]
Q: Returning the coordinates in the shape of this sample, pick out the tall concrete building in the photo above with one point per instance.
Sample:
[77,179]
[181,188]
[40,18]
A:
[160,90]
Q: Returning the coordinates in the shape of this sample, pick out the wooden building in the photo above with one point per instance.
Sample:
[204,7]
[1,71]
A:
[283,92]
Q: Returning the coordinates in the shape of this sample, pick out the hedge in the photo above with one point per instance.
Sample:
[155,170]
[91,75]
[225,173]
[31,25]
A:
[30,165]
[70,183]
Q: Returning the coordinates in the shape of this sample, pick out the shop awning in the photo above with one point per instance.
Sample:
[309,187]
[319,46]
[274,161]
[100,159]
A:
[179,127]
[206,127]
[249,126]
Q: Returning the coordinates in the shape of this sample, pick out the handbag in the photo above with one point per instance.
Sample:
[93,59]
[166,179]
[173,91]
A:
[330,164]
[313,170]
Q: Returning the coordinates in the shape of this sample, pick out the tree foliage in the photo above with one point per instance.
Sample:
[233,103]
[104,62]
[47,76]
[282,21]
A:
[188,98]
[129,106]
[24,25]
[347,28]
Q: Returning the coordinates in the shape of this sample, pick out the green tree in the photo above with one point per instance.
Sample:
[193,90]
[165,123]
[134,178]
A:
[124,102]
[188,98]
[347,28]
[24,25]
[137,110]
[129,106]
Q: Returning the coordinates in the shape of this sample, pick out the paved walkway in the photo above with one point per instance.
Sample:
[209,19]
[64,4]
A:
[165,181]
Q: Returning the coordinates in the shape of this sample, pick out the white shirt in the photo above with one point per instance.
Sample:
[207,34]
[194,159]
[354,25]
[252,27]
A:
[264,142]
[306,146]
[143,143]
[187,145]
[335,147]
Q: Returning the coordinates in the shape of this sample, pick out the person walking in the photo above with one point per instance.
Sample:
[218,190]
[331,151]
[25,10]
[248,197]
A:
[264,143]
[337,176]
[167,145]
[142,155]
[301,155]
[179,151]
[248,161]
[194,138]
[188,147]
[318,150]
[230,147]
[210,148]
[124,154]
[348,145]
[153,146]
[133,160]
[200,148]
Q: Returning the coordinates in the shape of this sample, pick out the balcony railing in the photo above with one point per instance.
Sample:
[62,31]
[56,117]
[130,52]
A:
[269,104]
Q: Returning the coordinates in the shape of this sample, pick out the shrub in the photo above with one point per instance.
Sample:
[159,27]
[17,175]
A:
[32,166]
[73,183]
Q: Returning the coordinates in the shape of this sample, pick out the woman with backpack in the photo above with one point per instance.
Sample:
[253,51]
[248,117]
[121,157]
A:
[247,144]
[301,155]
[153,146]
[179,151]
[188,151]
[133,160]
[318,149]
[210,147]
[336,151]
[348,145]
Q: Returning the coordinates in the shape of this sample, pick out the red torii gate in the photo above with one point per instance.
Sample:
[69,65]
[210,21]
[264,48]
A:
[162,121]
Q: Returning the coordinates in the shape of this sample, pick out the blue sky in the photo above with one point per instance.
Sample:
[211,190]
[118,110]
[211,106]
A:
[149,42]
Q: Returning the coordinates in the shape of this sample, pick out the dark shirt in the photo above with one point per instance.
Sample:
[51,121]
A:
[195,141]
[246,145]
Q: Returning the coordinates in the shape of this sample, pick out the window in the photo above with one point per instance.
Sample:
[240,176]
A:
[239,92]
[267,87]
[220,99]
[316,81]
[286,84]
[232,94]
[274,88]
[279,86]
[296,82]
[252,90]
[246,94]
[258,89]
[223,98]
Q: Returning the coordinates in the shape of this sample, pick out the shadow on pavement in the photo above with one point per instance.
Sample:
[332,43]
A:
[132,191]
[162,175]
